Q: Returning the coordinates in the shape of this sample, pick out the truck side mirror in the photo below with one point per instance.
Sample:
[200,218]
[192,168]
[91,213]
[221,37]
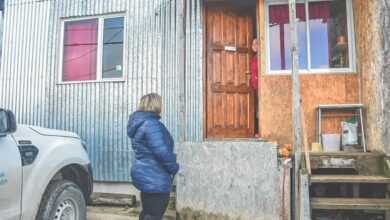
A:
[7,122]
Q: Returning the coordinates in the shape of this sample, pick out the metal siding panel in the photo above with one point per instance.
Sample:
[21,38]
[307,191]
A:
[23,63]
[194,85]
[98,112]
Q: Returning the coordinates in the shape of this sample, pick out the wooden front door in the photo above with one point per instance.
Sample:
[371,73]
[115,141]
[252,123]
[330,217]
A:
[229,97]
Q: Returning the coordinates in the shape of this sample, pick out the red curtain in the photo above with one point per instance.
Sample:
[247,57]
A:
[279,15]
[319,10]
[80,50]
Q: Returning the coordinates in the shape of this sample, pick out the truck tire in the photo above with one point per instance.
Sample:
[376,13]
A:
[62,200]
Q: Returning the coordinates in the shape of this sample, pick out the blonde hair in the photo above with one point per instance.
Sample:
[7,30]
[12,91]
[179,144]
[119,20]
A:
[151,102]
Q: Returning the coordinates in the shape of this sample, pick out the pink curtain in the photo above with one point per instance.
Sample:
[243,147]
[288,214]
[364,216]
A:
[80,50]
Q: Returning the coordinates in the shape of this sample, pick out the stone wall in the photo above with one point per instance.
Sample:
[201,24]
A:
[229,180]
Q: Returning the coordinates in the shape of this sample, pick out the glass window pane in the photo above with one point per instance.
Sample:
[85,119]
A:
[113,48]
[328,34]
[279,37]
[80,50]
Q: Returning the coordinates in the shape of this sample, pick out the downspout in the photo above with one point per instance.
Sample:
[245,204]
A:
[296,109]
[180,68]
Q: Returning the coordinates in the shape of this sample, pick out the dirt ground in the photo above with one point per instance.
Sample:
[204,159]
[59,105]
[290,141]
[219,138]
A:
[110,213]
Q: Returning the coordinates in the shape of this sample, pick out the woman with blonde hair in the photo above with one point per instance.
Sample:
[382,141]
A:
[155,163]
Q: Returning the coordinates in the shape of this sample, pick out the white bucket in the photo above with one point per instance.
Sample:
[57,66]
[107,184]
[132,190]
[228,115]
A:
[331,142]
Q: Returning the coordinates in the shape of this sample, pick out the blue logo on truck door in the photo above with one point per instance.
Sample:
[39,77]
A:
[3,180]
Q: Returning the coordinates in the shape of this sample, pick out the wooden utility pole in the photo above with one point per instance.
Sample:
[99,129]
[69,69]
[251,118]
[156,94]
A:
[180,68]
[296,109]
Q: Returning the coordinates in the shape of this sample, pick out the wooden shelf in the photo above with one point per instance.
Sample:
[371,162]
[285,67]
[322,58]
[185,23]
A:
[348,179]
[346,153]
[350,204]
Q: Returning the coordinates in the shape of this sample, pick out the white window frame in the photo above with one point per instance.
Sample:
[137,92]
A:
[99,62]
[309,70]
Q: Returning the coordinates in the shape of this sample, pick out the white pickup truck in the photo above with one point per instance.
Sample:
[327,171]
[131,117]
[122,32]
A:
[44,174]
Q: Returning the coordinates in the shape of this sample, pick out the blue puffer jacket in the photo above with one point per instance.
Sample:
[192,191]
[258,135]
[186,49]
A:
[155,163]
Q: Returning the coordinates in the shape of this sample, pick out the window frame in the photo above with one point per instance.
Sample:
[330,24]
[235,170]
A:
[309,70]
[99,57]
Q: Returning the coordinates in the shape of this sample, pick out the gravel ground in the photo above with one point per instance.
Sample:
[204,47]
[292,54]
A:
[120,213]
[110,213]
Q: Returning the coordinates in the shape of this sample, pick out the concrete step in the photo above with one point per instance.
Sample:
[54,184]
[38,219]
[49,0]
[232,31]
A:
[350,204]
[348,179]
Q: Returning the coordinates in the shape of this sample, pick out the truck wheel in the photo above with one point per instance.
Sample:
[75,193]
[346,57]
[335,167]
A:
[62,200]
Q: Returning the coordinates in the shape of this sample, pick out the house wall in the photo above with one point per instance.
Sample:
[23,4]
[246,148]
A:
[385,75]
[98,111]
[368,51]
[316,89]
[372,27]
[230,179]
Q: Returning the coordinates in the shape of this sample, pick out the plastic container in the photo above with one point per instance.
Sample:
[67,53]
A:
[316,147]
[331,142]
[349,136]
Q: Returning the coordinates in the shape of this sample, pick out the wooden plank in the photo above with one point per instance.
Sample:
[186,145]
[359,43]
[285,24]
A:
[348,179]
[305,144]
[296,106]
[304,196]
[348,154]
[350,204]
[356,190]
[112,199]
[365,164]
[332,162]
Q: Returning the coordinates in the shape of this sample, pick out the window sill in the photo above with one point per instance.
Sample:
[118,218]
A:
[92,81]
[310,73]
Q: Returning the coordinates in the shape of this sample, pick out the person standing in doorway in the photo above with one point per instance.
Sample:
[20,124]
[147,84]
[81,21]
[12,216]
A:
[155,163]
[255,84]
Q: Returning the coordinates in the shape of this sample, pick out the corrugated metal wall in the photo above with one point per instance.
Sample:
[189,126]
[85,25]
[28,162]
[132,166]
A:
[194,80]
[25,60]
[98,111]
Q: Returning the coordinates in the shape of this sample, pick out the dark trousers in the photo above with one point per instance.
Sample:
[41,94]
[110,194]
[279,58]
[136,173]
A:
[153,205]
